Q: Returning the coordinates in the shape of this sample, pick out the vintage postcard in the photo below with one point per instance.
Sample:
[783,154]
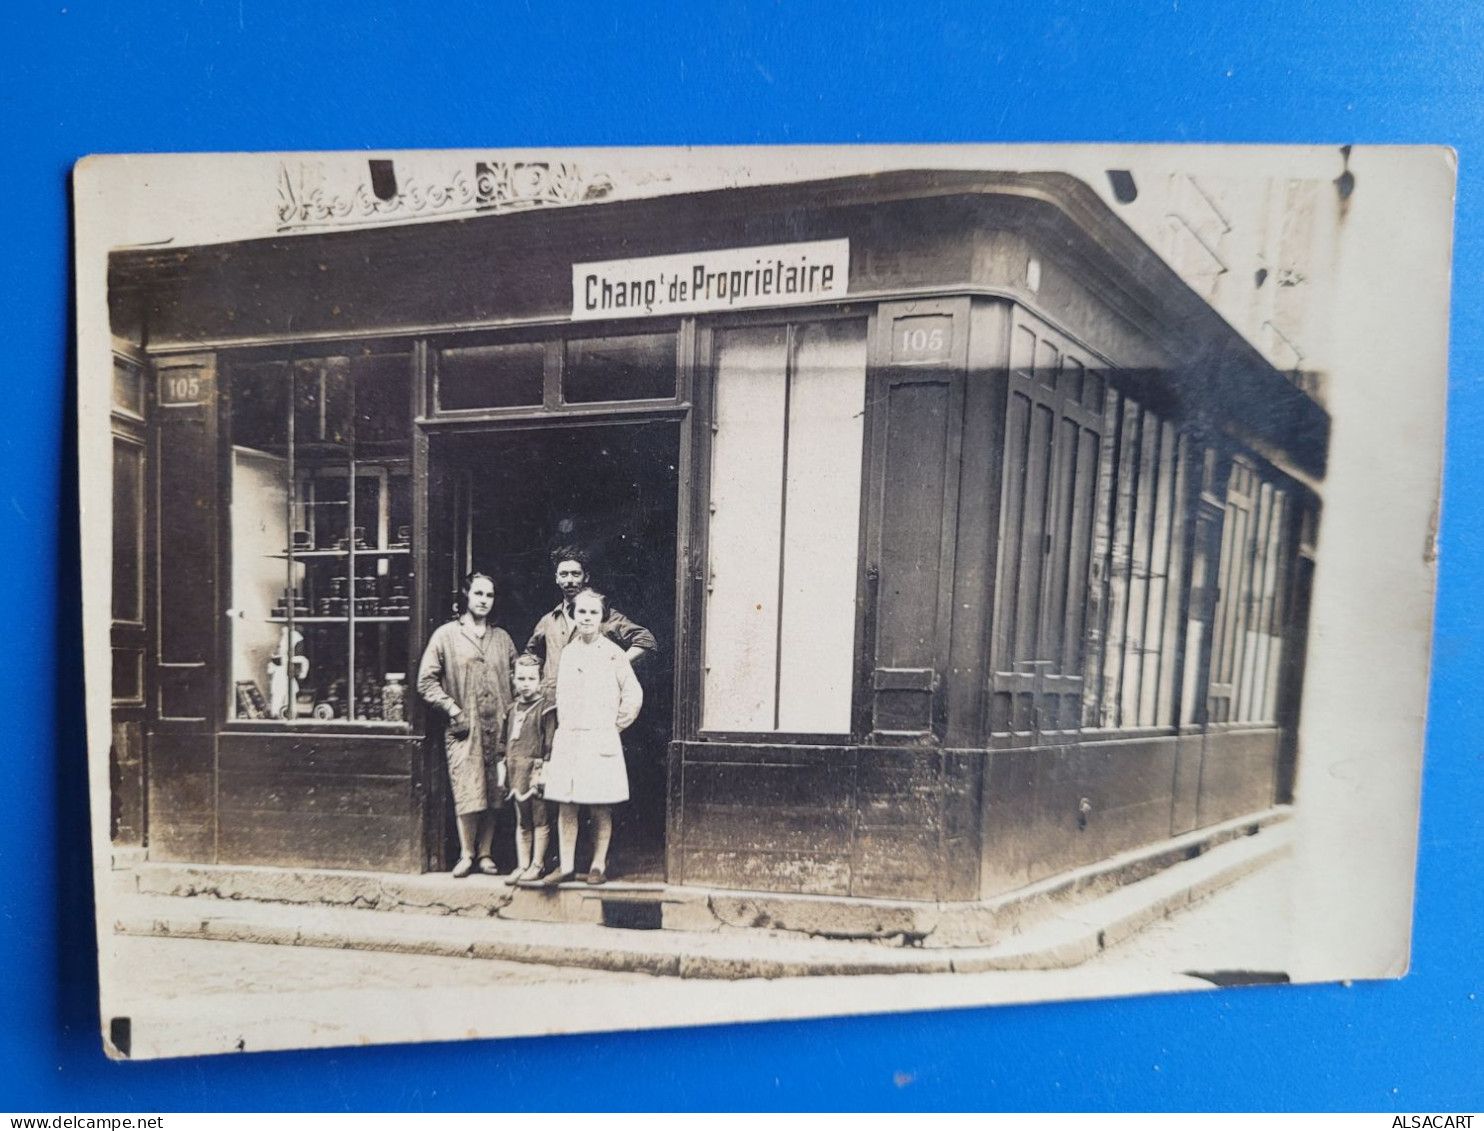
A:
[550,591]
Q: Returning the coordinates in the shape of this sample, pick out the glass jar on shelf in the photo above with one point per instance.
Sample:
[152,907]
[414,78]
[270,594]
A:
[394,697]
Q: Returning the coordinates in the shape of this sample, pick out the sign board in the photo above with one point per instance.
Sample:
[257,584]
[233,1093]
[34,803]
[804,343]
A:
[919,339]
[182,386]
[743,278]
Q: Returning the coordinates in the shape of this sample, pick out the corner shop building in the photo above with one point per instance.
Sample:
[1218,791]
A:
[978,546]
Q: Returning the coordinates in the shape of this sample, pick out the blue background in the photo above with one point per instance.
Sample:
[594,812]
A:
[78,77]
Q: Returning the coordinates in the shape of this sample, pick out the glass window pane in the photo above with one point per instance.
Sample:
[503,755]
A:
[383,396]
[509,375]
[128,530]
[1260,629]
[1092,391]
[259,400]
[745,532]
[1142,444]
[822,528]
[1246,642]
[1202,569]
[260,406]
[1072,373]
[370,509]
[1159,572]
[1234,584]
[321,508]
[321,403]
[1120,566]
[1023,351]
[260,574]
[1174,577]
[1280,550]
[1080,606]
[635,367]
[1098,683]
[1048,362]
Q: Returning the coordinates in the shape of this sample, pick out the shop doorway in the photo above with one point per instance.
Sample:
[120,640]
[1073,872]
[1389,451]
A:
[500,501]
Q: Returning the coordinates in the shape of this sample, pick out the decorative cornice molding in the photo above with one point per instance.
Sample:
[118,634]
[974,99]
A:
[306,201]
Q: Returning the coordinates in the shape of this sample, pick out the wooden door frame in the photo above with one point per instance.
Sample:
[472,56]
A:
[430,466]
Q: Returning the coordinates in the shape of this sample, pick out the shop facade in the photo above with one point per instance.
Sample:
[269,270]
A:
[977,546]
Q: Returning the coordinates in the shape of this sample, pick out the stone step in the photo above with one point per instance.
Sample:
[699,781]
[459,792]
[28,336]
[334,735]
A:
[649,906]
[1065,938]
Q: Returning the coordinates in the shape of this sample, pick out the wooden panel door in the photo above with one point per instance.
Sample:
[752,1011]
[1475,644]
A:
[129,634]
[185,608]
[1053,449]
[917,402]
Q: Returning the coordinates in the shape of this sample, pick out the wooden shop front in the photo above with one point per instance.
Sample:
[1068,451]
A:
[976,544]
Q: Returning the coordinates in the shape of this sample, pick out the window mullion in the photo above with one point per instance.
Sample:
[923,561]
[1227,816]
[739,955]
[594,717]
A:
[1157,484]
[291,496]
[352,699]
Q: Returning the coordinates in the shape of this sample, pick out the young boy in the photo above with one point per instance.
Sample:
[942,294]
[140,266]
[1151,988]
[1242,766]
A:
[525,744]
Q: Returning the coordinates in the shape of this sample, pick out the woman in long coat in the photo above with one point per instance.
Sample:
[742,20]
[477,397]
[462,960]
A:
[466,673]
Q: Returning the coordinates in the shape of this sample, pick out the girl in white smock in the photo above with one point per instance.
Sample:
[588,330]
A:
[597,696]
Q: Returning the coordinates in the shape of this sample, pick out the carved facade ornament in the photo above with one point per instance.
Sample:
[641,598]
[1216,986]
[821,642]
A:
[308,197]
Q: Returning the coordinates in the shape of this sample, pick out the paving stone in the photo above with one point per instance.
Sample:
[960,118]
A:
[840,918]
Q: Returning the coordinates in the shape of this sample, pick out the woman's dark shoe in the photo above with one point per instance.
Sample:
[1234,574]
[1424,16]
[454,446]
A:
[597,876]
[556,876]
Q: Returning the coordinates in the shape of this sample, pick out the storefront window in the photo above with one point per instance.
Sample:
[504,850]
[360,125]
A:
[1138,549]
[784,529]
[321,538]
[1247,642]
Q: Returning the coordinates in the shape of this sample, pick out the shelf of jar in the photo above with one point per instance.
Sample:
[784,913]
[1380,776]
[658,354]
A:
[322,455]
[342,620]
[301,722]
[387,552]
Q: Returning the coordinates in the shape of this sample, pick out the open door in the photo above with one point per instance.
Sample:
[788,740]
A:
[504,498]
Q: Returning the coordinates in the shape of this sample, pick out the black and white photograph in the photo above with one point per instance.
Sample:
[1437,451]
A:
[551,591]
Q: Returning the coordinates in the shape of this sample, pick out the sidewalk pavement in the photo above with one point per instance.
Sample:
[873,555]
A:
[410,977]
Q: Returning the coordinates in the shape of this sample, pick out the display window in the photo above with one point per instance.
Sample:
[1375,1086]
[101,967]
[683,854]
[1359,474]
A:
[1139,560]
[1088,631]
[1247,641]
[321,570]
